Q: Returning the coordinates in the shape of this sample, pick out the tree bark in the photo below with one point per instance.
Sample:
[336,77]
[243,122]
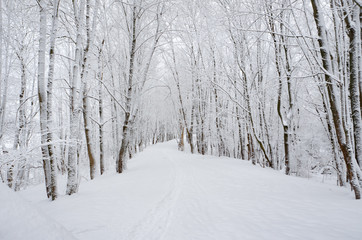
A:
[354,79]
[121,165]
[42,99]
[84,80]
[343,134]
[285,119]
[52,158]
[100,109]
[72,182]
[1,75]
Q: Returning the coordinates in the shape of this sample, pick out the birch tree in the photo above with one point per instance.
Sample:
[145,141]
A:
[49,164]
[84,79]
[136,23]
[75,102]
[2,107]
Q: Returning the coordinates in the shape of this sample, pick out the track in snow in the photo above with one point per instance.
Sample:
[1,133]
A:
[155,223]
[171,195]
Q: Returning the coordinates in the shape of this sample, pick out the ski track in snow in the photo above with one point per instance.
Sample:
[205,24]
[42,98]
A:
[170,195]
[156,222]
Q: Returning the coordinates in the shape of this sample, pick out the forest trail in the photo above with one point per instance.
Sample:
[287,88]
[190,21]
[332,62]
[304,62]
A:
[172,195]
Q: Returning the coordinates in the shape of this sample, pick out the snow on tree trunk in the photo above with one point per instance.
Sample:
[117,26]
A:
[121,160]
[75,105]
[100,109]
[84,80]
[280,44]
[354,79]
[1,75]
[4,77]
[42,98]
[19,139]
[52,158]
[343,134]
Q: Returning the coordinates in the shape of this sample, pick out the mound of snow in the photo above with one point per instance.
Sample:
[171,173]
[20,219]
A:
[20,220]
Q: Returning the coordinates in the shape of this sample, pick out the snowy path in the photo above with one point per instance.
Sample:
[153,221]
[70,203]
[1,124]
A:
[170,195]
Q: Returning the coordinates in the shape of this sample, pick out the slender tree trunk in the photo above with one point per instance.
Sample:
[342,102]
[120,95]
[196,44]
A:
[253,130]
[354,79]
[84,80]
[16,172]
[285,120]
[218,124]
[1,75]
[100,109]
[52,158]
[182,111]
[332,138]
[359,33]
[42,98]
[121,165]
[87,130]
[114,121]
[63,147]
[4,83]
[72,183]
[190,132]
[181,145]
[250,128]
[218,106]
[19,139]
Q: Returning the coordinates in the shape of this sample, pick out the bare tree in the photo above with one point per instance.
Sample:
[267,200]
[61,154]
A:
[75,102]
[343,133]
[42,95]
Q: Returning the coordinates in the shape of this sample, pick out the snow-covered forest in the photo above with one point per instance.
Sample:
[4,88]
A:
[87,85]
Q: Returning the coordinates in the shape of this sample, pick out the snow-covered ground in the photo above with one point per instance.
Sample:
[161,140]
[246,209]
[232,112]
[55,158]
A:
[170,195]
[21,220]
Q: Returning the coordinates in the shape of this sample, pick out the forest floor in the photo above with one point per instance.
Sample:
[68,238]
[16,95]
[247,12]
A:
[172,195]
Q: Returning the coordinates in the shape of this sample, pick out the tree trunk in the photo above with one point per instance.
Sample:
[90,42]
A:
[343,134]
[181,145]
[285,119]
[100,109]
[121,165]
[84,80]
[52,159]
[42,99]
[354,79]
[19,139]
[72,182]
[332,138]
[1,75]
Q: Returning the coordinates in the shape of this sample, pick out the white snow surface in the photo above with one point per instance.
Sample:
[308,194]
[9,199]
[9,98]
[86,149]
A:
[21,220]
[172,195]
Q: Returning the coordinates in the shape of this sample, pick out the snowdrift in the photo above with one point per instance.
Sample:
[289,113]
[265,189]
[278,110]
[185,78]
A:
[21,220]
